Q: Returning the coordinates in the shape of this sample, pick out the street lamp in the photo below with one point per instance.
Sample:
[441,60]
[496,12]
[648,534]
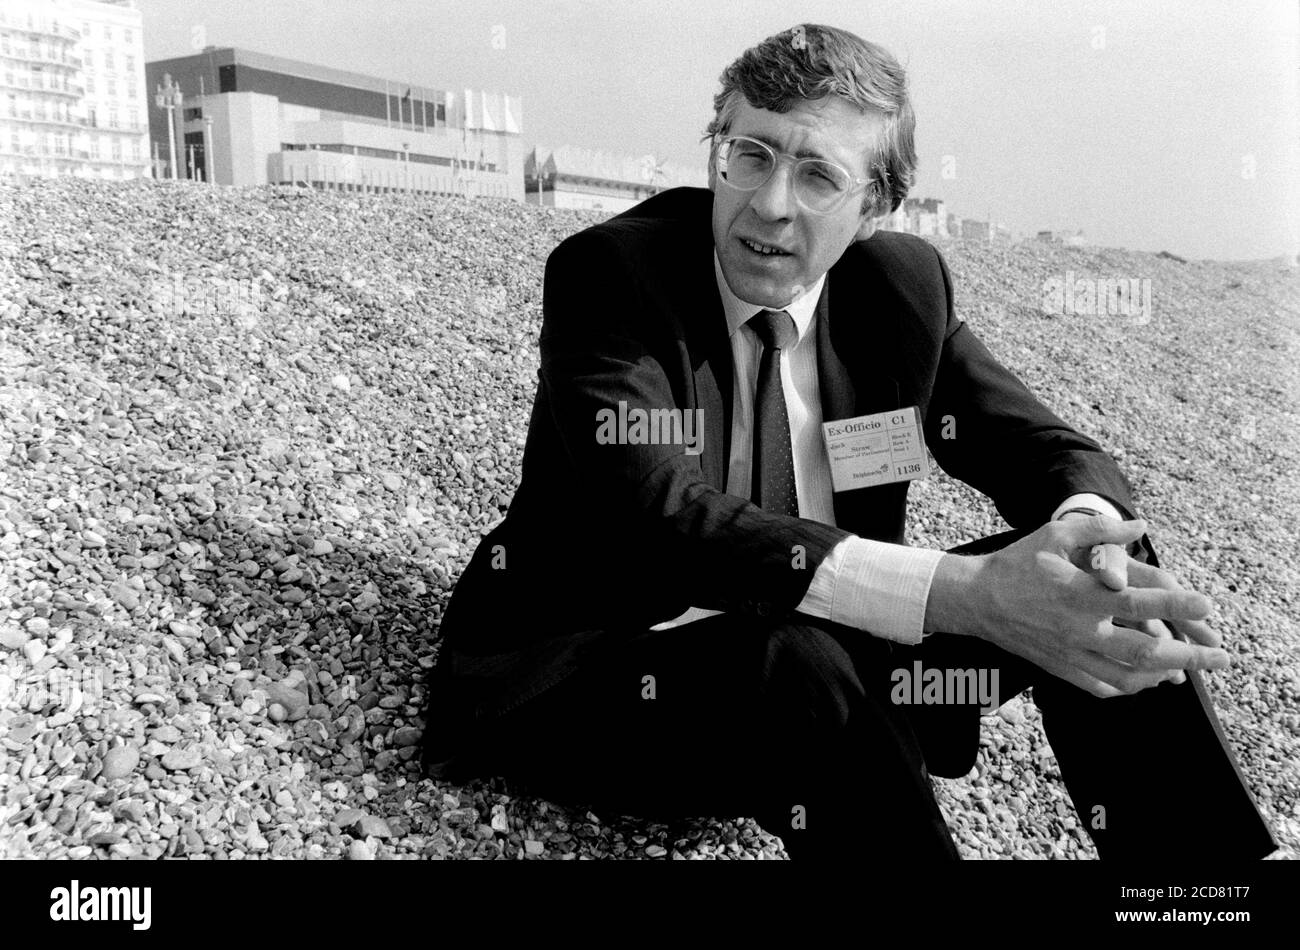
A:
[169,97]
[207,149]
[651,171]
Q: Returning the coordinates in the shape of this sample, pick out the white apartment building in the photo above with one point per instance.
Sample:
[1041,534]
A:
[72,92]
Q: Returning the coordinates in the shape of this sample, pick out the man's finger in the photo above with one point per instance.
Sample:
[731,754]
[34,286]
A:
[1101,529]
[1144,575]
[1152,654]
[1153,628]
[1089,684]
[1127,679]
[1140,603]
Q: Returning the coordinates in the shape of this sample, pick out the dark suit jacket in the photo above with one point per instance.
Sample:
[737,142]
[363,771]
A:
[604,541]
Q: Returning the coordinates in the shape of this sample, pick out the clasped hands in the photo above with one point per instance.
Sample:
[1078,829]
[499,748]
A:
[1105,630]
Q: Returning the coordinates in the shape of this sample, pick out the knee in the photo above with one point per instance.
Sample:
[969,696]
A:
[810,679]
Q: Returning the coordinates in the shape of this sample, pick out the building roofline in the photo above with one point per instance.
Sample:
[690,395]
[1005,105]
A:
[236,55]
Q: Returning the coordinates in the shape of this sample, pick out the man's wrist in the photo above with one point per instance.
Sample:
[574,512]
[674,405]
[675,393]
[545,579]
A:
[948,606]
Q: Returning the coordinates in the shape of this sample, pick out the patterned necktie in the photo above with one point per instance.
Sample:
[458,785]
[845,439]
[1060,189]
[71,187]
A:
[773,465]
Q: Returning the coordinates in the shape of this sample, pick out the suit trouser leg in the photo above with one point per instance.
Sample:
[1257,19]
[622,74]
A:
[776,721]
[765,719]
[1151,774]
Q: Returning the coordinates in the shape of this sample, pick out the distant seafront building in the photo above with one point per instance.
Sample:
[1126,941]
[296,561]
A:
[255,119]
[72,80]
[930,217]
[586,179]
[1073,238]
[926,217]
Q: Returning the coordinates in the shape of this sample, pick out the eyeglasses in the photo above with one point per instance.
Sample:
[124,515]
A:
[819,186]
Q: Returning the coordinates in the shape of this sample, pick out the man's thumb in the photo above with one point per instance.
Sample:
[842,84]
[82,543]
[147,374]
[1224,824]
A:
[1100,529]
[1110,563]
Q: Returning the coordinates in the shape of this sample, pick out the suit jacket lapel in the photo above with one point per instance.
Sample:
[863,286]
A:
[710,353]
[851,378]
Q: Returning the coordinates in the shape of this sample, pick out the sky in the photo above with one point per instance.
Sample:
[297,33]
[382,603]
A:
[1149,124]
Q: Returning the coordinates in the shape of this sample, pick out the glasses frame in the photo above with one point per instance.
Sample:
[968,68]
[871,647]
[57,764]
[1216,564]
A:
[722,141]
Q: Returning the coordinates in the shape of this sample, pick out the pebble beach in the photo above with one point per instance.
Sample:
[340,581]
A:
[249,439]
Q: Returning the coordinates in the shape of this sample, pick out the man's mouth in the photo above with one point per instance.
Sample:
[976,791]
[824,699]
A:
[766,250]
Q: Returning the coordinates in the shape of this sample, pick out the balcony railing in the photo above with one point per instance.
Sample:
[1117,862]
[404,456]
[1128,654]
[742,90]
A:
[75,122]
[21,25]
[68,155]
[59,88]
[45,58]
[26,115]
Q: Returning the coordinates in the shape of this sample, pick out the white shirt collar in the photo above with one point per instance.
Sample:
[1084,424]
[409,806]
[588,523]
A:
[739,312]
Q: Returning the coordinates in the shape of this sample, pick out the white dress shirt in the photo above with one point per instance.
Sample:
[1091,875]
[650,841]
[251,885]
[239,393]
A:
[871,585]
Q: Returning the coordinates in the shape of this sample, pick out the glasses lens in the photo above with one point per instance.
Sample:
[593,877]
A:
[746,164]
[821,185]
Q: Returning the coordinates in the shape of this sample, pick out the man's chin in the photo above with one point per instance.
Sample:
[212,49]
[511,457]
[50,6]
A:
[774,298]
[764,293]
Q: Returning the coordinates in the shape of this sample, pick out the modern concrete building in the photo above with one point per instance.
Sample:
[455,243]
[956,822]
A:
[72,80]
[584,179]
[253,119]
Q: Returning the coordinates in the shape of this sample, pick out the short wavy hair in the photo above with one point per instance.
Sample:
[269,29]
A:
[810,62]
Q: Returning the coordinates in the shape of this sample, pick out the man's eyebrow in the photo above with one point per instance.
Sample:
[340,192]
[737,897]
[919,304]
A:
[804,152]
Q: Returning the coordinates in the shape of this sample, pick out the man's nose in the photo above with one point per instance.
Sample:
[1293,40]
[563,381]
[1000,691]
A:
[775,201]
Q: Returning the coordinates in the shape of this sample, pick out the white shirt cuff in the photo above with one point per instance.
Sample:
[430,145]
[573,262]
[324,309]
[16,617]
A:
[874,586]
[1087,500]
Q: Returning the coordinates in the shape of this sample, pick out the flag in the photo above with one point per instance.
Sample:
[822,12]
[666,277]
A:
[513,110]
[408,94]
[488,112]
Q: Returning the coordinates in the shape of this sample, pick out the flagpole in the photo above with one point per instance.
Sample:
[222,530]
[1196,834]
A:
[424,110]
[388,106]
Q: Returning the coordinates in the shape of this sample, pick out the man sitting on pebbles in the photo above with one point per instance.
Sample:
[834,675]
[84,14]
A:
[731,623]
